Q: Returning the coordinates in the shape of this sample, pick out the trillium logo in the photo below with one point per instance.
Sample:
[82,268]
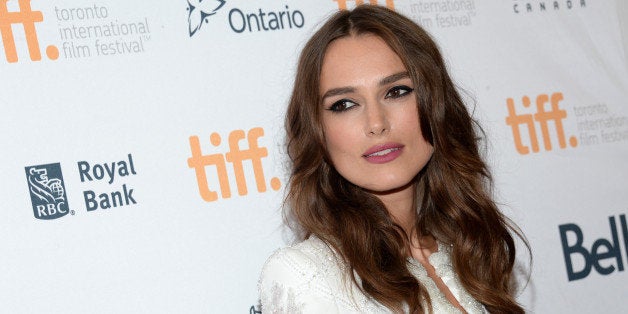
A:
[199,10]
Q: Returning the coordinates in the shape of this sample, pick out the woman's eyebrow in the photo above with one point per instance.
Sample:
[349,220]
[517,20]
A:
[393,78]
[338,91]
[385,81]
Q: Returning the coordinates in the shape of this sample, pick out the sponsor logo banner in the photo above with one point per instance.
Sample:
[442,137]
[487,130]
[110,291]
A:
[27,18]
[275,18]
[429,14]
[84,31]
[533,126]
[236,157]
[604,256]
[544,6]
[598,124]
[49,195]
[47,190]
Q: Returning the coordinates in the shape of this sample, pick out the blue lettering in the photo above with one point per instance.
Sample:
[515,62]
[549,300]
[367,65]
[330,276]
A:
[131,164]
[602,249]
[104,201]
[577,248]
[128,195]
[248,19]
[256,21]
[84,171]
[110,171]
[90,202]
[624,229]
[98,171]
[108,200]
[234,10]
[301,17]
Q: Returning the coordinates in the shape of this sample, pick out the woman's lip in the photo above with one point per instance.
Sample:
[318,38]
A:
[380,154]
[382,147]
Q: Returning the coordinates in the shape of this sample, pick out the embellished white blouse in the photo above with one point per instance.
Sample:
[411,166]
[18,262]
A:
[309,278]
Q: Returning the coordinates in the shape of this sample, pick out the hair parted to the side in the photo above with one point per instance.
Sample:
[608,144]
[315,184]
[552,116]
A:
[453,190]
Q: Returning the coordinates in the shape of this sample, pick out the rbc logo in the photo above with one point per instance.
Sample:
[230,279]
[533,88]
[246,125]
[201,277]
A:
[47,190]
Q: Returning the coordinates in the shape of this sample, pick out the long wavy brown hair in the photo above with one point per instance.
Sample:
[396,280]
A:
[453,198]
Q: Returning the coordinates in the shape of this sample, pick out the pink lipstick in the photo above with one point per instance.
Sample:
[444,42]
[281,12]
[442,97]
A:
[380,154]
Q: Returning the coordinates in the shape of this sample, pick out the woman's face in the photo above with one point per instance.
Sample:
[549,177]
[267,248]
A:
[370,115]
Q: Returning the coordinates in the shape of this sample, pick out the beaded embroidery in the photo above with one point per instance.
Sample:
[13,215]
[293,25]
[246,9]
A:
[310,278]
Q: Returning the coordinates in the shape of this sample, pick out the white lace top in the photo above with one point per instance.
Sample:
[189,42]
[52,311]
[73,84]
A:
[309,278]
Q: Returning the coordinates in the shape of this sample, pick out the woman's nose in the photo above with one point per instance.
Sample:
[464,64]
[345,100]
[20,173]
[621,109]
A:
[376,120]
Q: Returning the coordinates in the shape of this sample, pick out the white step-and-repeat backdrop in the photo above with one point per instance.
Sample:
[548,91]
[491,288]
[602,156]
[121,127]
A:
[143,164]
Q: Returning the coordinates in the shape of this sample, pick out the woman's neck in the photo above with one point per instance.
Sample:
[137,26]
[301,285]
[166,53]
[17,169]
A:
[401,206]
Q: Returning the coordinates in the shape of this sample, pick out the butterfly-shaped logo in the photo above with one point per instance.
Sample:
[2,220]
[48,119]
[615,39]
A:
[199,10]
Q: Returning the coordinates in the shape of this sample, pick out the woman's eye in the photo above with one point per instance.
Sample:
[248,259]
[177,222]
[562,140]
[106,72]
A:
[341,105]
[398,91]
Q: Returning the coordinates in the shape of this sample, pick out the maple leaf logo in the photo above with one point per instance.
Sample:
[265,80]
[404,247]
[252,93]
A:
[199,10]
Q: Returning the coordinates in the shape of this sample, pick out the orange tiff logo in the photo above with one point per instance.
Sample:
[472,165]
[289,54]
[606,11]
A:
[542,117]
[342,4]
[235,156]
[26,17]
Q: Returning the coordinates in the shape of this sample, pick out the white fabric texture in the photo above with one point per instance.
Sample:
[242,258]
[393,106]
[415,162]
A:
[309,278]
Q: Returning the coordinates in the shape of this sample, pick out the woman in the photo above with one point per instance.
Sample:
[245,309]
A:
[387,190]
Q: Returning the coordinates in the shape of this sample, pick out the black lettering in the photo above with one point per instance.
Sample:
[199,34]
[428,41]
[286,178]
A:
[577,248]
[84,171]
[240,30]
[111,171]
[261,16]
[104,201]
[131,164]
[273,24]
[128,195]
[288,14]
[281,15]
[624,229]
[248,20]
[90,202]
[98,172]
[294,20]
[122,169]
[596,256]
[116,199]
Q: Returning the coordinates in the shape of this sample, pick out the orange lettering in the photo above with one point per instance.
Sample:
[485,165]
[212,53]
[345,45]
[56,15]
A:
[236,156]
[254,153]
[515,121]
[27,18]
[555,114]
[198,161]
[542,116]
